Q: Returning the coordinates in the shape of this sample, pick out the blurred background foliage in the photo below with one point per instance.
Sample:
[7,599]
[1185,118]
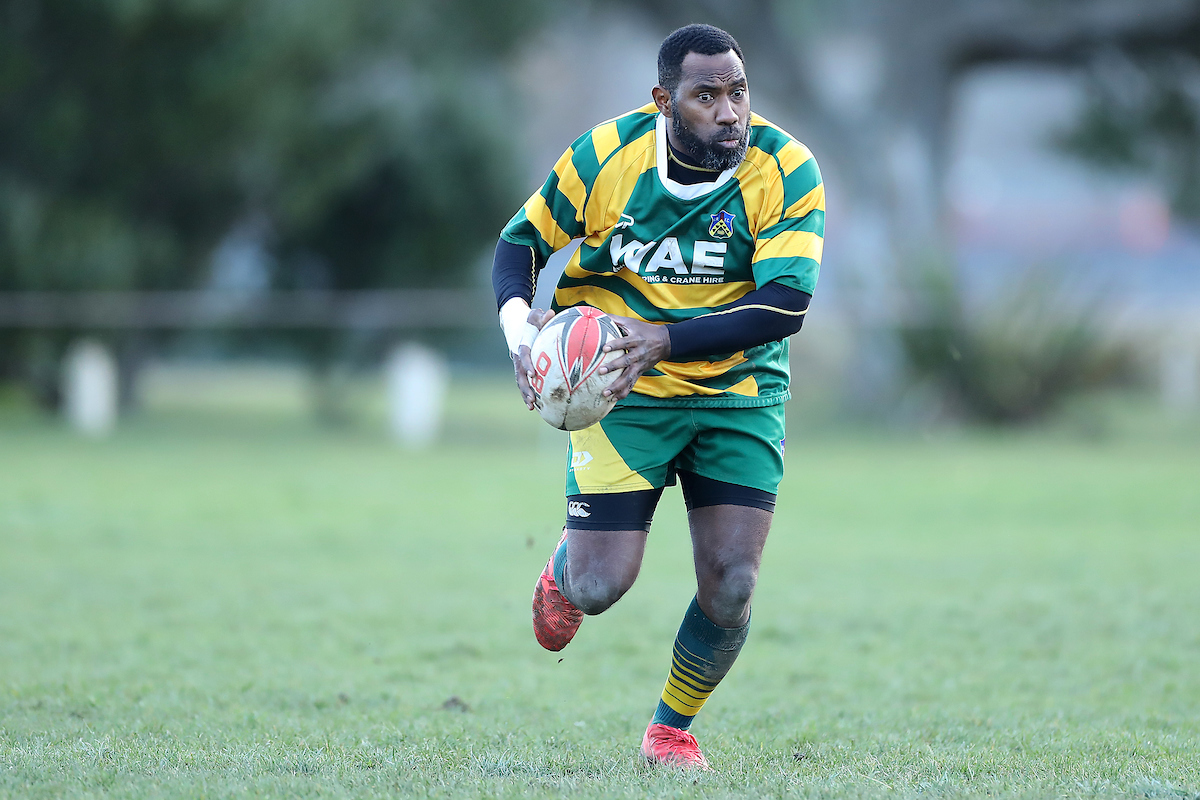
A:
[1143,112]
[366,144]
[357,135]
[1020,357]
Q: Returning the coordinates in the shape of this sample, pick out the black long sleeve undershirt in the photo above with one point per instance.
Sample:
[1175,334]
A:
[769,313]
[514,272]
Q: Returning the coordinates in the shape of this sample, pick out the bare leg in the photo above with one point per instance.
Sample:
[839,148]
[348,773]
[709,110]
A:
[727,545]
[601,566]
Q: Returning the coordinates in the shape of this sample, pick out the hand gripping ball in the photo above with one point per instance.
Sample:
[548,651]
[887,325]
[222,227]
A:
[567,354]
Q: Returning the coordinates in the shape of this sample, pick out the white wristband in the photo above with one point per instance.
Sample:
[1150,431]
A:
[514,321]
[528,334]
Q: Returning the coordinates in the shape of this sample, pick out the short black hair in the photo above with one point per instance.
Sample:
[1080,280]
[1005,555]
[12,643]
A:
[706,40]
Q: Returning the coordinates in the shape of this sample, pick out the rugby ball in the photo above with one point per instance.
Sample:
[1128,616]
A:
[568,389]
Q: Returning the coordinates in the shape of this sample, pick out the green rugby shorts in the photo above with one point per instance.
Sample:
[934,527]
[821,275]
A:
[636,448]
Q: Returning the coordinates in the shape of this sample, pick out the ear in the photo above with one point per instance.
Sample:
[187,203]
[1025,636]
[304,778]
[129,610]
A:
[662,99]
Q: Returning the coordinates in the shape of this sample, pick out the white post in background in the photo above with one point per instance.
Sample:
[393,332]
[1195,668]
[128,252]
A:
[416,391]
[1179,376]
[90,388]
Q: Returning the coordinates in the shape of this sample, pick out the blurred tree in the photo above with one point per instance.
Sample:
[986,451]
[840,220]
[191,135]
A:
[1020,358]
[362,142]
[1143,111]
[134,134]
[115,152]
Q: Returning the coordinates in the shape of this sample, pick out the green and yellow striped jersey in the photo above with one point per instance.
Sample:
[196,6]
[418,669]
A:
[660,251]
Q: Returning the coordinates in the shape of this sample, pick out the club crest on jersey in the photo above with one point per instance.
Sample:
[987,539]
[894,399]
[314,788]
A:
[722,225]
[581,344]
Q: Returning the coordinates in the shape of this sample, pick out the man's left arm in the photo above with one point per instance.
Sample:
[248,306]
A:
[766,314]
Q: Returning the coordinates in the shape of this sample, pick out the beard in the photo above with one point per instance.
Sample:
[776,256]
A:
[711,154]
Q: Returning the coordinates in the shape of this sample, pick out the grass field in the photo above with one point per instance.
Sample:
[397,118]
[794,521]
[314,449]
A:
[246,606]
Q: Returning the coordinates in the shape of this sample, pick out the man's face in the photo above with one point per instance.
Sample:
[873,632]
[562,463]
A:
[710,110]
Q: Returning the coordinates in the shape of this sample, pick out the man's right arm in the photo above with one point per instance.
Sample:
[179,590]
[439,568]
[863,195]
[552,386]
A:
[514,279]
[551,218]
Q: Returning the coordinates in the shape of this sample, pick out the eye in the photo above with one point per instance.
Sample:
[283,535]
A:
[704,97]
[739,92]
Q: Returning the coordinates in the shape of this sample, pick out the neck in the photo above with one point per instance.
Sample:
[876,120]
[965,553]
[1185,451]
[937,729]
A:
[682,168]
[684,158]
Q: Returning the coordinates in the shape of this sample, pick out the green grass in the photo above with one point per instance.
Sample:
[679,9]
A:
[242,605]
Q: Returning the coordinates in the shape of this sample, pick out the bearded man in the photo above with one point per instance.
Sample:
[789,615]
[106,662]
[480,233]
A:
[702,226]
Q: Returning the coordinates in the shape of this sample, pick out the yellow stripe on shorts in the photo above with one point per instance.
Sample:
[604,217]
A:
[598,467]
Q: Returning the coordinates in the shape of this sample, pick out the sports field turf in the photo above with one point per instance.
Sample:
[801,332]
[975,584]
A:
[214,608]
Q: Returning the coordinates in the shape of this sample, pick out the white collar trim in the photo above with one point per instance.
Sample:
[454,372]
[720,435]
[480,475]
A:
[681,190]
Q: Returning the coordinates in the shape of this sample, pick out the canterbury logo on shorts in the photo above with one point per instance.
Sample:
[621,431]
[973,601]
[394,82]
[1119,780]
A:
[577,508]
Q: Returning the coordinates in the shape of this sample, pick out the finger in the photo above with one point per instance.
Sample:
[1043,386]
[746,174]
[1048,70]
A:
[617,364]
[624,343]
[526,377]
[622,385]
[525,359]
[525,390]
[619,389]
[623,323]
[523,368]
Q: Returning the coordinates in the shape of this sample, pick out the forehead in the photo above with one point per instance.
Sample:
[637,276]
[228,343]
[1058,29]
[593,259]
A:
[720,69]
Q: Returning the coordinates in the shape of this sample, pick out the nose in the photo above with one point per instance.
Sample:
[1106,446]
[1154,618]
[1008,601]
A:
[725,113]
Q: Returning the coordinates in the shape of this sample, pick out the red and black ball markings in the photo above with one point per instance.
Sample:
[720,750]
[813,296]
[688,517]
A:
[580,351]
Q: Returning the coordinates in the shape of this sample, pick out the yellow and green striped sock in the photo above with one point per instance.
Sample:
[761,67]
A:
[702,656]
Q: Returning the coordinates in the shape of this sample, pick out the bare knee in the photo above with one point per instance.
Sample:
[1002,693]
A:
[601,567]
[595,592]
[728,595]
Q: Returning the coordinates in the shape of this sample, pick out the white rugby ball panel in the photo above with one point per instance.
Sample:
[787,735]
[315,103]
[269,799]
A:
[567,355]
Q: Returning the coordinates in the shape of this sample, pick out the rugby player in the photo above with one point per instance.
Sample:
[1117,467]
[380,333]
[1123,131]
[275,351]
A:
[702,228]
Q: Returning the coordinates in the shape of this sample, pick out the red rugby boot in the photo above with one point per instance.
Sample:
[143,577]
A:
[555,620]
[663,744]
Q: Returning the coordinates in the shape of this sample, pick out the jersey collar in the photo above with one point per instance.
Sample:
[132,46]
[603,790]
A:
[680,190]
